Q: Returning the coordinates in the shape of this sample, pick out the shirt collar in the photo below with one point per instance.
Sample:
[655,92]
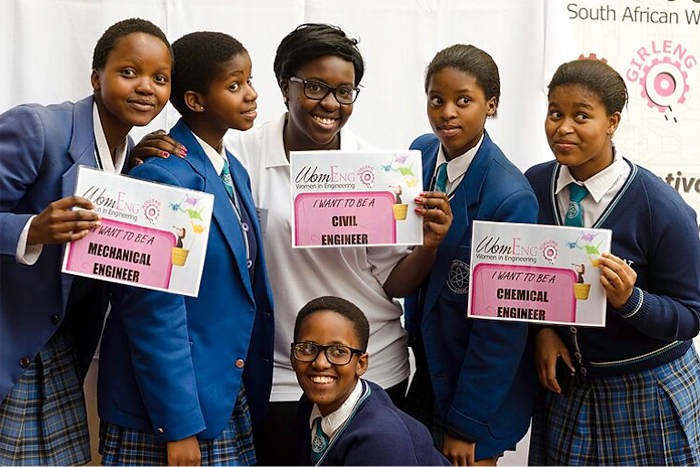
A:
[458,166]
[275,153]
[217,158]
[600,183]
[103,155]
[334,420]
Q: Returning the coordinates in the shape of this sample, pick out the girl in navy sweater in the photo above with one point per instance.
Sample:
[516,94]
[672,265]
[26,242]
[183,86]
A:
[635,397]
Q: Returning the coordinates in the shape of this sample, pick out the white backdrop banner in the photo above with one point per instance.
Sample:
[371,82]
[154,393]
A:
[46,50]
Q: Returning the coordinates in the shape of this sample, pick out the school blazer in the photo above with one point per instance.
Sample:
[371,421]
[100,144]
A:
[40,151]
[172,365]
[481,372]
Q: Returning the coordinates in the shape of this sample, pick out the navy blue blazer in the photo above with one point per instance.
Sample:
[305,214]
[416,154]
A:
[377,433]
[172,365]
[40,151]
[481,372]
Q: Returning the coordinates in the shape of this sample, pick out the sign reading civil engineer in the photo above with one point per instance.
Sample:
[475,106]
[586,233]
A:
[151,235]
[350,199]
[537,273]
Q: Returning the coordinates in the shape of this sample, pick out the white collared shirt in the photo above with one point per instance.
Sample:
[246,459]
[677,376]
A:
[215,157]
[457,167]
[298,275]
[29,254]
[103,156]
[602,188]
[334,420]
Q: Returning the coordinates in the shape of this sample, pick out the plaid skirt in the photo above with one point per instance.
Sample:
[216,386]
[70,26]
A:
[43,419]
[645,418]
[234,446]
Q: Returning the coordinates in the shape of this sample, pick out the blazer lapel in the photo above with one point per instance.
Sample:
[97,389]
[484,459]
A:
[81,152]
[467,195]
[223,212]
[82,145]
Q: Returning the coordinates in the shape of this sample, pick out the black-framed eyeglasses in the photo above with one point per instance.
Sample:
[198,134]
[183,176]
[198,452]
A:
[336,354]
[318,90]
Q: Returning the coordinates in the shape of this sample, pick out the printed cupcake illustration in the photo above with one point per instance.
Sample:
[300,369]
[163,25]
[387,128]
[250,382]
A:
[400,209]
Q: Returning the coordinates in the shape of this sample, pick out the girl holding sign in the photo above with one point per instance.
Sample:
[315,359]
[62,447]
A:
[50,322]
[635,397]
[182,377]
[473,386]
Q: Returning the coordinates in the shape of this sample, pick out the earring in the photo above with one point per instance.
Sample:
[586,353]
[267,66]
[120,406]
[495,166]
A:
[201,109]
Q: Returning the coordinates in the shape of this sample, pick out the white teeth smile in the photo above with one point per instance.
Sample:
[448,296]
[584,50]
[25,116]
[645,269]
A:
[322,379]
[324,120]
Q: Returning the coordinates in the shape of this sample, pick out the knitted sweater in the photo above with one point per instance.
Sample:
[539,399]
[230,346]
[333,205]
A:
[655,232]
[377,433]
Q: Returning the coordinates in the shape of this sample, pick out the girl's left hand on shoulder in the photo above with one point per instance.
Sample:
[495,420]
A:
[618,279]
[435,209]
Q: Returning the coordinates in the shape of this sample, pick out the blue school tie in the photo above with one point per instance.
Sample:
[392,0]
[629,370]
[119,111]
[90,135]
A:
[319,441]
[574,215]
[441,178]
[226,178]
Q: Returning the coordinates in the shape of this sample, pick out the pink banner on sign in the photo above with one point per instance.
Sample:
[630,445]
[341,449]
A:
[524,292]
[356,218]
[125,253]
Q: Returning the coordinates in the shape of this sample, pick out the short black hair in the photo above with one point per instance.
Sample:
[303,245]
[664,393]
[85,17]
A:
[117,31]
[310,41]
[198,57]
[597,77]
[348,310]
[471,60]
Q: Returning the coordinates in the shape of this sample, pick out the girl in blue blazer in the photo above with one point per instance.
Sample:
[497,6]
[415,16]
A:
[474,384]
[181,377]
[50,323]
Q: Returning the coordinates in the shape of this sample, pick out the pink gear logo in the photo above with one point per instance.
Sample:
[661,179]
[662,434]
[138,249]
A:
[366,175]
[549,251]
[664,83]
[151,210]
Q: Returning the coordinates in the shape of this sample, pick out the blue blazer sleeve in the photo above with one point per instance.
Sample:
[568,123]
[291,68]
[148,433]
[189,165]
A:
[156,323]
[21,155]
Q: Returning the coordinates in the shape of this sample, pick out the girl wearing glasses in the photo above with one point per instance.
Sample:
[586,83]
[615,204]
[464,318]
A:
[319,68]
[345,420]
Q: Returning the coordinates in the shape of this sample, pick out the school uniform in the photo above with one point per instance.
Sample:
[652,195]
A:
[479,379]
[636,397]
[50,322]
[172,366]
[367,429]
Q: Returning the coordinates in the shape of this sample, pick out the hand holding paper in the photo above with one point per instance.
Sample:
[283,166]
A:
[59,223]
[617,278]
